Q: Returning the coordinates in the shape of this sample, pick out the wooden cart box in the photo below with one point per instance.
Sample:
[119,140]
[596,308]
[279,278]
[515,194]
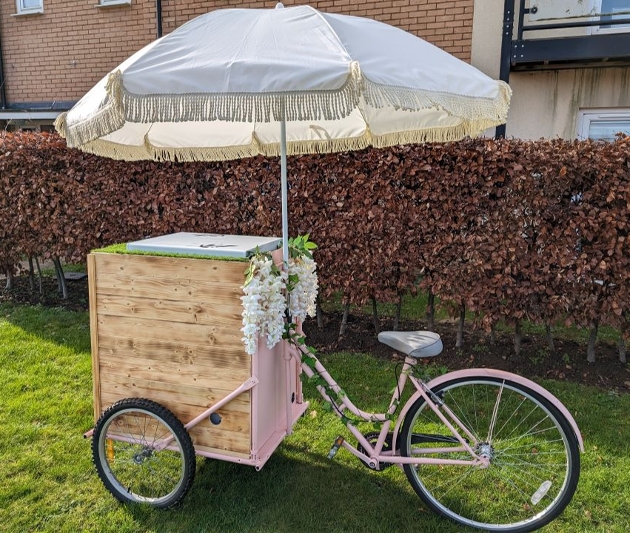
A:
[169,329]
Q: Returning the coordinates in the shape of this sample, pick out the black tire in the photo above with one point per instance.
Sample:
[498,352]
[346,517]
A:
[532,448]
[123,450]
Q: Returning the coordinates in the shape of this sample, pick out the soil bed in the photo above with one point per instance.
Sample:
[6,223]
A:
[567,363]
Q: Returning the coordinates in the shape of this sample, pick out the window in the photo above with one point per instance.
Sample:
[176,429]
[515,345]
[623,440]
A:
[611,10]
[603,124]
[27,7]
[105,3]
[598,12]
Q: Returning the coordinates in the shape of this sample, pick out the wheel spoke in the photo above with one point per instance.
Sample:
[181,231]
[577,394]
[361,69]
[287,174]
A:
[463,416]
[510,418]
[521,422]
[453,483]
[532,433]
[495,413]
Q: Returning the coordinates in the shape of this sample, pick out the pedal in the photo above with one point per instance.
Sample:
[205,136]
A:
[335,447]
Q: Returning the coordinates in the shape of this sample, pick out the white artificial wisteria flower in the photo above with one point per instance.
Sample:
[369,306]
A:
[264,303]
[304,293]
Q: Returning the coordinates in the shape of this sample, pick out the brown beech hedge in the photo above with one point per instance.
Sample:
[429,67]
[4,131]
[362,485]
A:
[507,228]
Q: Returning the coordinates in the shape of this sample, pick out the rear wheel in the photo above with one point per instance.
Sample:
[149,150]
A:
[532,451]
[126,450]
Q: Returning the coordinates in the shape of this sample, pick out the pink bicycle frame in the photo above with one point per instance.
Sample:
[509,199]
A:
[376,452]
[448,418]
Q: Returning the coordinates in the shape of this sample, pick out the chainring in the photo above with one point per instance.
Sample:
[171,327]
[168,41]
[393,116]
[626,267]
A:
[372,438]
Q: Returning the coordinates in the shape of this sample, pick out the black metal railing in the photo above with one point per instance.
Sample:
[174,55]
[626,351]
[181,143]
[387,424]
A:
[554,47]
[597,19]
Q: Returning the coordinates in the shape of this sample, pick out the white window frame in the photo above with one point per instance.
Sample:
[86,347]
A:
[108,3]
[597,6]
[586,116]
[23,10]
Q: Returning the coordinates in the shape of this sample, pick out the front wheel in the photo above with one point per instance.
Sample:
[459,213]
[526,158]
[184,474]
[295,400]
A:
[143,453]
[533,456]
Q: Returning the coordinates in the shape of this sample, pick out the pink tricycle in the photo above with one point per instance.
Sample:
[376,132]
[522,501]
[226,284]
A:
[486,448]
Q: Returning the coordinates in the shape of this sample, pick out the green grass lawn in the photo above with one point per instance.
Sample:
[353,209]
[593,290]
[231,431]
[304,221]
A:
[48,482]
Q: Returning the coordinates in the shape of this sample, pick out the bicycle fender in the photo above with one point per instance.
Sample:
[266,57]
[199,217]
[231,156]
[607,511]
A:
[498,374]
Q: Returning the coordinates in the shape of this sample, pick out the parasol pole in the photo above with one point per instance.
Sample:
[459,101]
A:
[285,259]
[283,182]
[284,187]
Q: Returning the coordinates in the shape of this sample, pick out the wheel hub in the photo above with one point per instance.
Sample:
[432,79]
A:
[485,452]
[141,457]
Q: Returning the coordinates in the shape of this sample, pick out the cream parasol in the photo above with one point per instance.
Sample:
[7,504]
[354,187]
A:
[236,83]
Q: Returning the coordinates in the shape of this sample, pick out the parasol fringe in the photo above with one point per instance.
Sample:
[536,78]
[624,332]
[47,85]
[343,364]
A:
[122,106]
[108,119]
[432,135]
[226,153]
[469,108]
[238,107]
[60,124]
[122,152]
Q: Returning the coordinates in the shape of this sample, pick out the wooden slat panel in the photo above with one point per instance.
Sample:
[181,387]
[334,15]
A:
[168,371]
[209,313]
[182,343]
[129,327]
[205,437]
[169,289]
[231,421]
[175,268]
[218,359]
[226,452]
[167,393]
[184,334]
[138,426]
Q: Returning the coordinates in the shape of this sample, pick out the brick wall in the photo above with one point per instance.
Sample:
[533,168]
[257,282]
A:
[63,52]
[60,54]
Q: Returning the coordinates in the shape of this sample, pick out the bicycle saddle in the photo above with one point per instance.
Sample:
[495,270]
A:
[412,343]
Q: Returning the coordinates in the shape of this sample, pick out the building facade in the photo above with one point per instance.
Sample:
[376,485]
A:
[54,51]
[567,61]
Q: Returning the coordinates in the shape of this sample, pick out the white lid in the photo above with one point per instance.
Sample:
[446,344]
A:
[208,244]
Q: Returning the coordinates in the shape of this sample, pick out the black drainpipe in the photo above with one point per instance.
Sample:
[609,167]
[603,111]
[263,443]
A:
[158,10]
[506,51]
[3,93]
